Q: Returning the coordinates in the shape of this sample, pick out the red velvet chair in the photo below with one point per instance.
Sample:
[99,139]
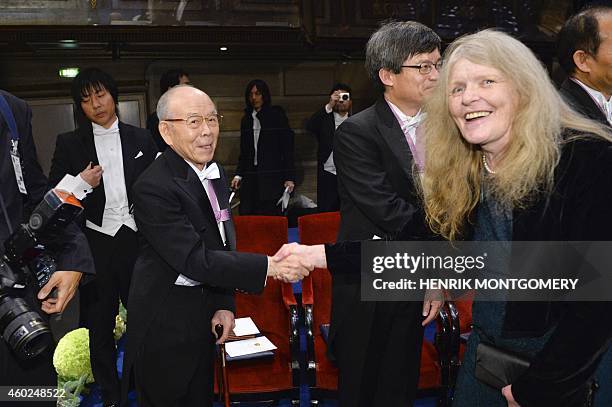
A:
[316,299]
[275,314]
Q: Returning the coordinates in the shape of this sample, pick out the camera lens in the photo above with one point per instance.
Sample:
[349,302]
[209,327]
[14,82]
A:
[22,328]
[345,96]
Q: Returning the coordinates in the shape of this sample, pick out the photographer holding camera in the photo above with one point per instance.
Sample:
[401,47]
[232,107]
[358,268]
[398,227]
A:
[323,125]
[22,186]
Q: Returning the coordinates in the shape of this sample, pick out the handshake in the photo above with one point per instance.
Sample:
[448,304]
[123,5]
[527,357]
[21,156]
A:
[293,262]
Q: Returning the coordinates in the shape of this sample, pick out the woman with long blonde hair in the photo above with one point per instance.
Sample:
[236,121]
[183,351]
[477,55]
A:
[508,160]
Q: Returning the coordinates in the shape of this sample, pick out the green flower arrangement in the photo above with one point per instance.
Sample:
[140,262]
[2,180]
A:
[71,362]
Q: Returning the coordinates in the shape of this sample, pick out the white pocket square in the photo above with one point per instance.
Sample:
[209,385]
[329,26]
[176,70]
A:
[140,154]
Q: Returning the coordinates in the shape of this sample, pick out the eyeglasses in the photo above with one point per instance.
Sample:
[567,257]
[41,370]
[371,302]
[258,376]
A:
[426,67]
[195,121]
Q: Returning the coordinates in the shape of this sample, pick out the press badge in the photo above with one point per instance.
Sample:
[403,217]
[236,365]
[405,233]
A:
[17,167]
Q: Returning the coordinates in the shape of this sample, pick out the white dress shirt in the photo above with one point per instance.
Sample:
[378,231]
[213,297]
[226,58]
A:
[110,156]
[329,164]
[408,124]
[256,131]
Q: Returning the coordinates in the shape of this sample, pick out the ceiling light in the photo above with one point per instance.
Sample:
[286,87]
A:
[68,72]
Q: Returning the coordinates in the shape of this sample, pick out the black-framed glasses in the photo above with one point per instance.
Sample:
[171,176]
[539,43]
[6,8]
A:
[426,67]
[195,121]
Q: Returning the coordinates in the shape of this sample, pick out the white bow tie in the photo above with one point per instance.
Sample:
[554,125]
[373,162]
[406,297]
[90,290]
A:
[210,172]
[413,121]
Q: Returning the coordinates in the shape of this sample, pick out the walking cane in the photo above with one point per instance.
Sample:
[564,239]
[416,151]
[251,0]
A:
[224,376]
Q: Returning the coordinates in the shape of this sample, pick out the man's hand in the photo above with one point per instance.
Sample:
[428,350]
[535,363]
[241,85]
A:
[434,300]
[235,184]
[290,185]
[66,283]
[225,318]
[507,393]
[291,269]
[92,174]
[333,99]
[314,255]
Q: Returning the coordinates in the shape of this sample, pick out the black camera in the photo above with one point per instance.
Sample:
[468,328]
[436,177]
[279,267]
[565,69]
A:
[28,262]
[344,96]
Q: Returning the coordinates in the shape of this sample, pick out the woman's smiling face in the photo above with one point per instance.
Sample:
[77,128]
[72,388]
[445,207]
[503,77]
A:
[483,103]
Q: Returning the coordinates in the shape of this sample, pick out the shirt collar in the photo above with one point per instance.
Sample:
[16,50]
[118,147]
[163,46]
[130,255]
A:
[101,131]
[402,117]
[595,94]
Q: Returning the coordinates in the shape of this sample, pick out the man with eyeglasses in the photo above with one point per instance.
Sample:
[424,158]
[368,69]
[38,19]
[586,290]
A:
[378,353]
[104,144]
[187,270]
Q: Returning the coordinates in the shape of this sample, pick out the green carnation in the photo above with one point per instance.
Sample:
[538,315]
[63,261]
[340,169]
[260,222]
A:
[71,357]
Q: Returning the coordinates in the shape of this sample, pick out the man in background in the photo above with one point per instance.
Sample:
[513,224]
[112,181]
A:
[168,80]
[585,54]
[323,124]
[265,164]
[108,156]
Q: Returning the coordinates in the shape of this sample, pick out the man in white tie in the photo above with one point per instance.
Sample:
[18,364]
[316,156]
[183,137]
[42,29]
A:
[585,53]
[378,354]
[104,144]
[187,270]
[323,124]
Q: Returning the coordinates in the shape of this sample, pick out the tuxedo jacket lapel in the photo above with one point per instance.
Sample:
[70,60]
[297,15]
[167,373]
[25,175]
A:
[390,130]
[87,136]
[189,182]
[583,102]
[129,150]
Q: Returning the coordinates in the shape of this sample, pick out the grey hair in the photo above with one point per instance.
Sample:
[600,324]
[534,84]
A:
[163,102]
[396,41]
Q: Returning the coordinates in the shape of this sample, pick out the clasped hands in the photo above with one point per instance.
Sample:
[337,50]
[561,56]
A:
[293,262]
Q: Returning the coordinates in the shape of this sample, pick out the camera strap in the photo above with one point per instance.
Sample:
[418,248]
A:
[9,118]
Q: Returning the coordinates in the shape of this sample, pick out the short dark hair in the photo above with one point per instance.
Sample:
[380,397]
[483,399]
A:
[396,41]
[92,79]
[262,87]
[340,86]
[580,32]
[170,79]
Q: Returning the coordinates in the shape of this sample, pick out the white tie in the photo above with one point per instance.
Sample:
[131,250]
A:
[412,121]
[211,172]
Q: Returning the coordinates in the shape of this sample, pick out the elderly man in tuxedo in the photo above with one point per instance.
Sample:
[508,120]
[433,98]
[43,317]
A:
[187,270]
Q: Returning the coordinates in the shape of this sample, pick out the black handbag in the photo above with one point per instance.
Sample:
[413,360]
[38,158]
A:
[498,367]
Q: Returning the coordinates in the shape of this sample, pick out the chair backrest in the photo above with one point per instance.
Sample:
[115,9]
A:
[316,288]
[264,235]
